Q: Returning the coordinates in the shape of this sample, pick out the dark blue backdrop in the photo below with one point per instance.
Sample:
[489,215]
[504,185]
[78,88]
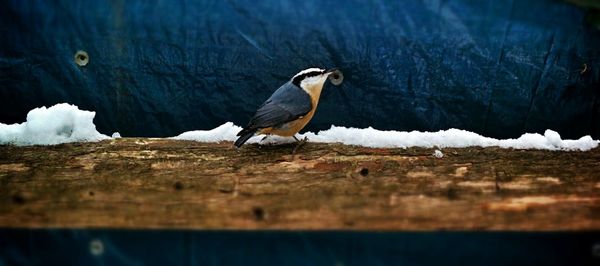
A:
[176,247]
[158,68]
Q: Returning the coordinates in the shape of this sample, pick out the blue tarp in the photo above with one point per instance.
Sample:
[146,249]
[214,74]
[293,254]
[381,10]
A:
[159,68]
[176,247]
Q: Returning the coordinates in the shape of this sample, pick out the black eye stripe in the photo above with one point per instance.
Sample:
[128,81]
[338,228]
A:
[296,81]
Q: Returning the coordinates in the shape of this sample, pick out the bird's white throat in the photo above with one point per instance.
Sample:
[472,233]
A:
[313,86]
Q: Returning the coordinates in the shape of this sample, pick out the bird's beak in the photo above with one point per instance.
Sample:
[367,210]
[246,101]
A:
[331,70]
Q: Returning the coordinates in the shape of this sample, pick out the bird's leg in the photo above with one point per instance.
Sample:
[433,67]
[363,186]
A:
[264,138]
[299,143]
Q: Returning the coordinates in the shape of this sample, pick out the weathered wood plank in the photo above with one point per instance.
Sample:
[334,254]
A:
[157,183]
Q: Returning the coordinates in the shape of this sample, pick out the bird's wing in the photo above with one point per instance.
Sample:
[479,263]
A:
[287,103]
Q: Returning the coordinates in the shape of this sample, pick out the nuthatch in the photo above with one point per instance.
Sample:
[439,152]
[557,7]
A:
[291,106]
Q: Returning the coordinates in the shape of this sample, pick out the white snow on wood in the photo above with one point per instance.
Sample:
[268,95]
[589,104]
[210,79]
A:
[60,123]
[64,123]
[224,132]
[438,154]
[451,138]
[369,137]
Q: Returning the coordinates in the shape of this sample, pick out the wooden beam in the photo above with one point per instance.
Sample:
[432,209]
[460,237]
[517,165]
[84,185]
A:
[160,183]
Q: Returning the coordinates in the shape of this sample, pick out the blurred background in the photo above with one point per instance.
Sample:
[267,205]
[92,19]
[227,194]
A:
[159,68]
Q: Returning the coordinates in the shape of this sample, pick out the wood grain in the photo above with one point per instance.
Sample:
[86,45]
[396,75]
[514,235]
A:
[159,183]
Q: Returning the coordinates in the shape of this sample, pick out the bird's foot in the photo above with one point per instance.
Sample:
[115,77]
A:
[303,140]
[298,144]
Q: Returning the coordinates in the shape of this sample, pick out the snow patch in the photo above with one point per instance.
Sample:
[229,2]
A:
[438,154]
[451,138]
[370,137]
[225,132]
[61,123]
[116,135]
[64,123]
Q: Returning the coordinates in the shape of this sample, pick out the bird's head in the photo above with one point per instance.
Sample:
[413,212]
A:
[315,77]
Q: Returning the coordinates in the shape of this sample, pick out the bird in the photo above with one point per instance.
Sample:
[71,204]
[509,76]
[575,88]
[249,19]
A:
[290,107]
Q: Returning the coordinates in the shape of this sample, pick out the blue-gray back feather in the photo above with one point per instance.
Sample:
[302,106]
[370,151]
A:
[287,103]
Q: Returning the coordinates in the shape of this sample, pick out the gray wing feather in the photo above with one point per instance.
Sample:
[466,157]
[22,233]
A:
[287,103]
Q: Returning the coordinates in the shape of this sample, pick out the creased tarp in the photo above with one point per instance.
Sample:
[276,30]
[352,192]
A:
[158,68]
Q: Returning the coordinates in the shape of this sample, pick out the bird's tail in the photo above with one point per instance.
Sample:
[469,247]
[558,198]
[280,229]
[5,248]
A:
[245,134]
